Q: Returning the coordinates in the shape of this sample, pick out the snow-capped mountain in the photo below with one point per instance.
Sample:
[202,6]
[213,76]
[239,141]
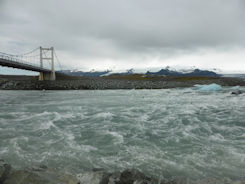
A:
[91,73]
[167,71]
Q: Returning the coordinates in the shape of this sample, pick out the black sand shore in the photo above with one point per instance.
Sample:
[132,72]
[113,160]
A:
[136,81]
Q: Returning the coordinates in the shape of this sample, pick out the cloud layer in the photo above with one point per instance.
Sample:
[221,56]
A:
[127,33]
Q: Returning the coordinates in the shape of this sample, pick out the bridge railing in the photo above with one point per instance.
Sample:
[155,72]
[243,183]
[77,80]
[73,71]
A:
[14,58]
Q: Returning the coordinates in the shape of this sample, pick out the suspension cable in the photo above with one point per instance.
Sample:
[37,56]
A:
[57,60]
[19,55]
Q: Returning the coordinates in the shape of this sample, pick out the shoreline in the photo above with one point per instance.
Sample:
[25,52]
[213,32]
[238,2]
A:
[42,174]
[111,82]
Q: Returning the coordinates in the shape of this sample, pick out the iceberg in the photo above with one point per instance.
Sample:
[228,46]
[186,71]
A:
[208,87]
[235,88]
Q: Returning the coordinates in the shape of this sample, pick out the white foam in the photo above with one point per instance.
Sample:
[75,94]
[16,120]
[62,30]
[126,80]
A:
[217,137]
[117,136]
[45,125]
[4,150]
[15,145]
[104,115]
[88,148]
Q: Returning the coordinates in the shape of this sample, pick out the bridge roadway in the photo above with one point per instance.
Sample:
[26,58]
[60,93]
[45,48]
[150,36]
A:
[24,66]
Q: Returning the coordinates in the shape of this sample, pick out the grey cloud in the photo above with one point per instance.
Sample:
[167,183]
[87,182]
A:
[109,28]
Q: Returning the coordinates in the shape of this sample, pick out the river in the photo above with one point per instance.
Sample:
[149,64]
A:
[164,133]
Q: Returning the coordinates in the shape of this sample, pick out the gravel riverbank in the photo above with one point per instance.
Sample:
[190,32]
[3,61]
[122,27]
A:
[102,83]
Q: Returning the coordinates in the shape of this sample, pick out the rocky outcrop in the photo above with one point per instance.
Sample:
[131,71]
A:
[35,175]
[237,92]
[128,176]
[5,172]
[44,175]
[25,177]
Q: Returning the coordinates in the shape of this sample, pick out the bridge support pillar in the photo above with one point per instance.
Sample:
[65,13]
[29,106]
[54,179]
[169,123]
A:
[47,76]
[40,77]
[44,75]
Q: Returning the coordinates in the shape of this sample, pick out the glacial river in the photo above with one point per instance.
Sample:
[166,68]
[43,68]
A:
[164,133]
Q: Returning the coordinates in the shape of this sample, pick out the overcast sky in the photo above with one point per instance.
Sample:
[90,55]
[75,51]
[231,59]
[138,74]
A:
[123,34]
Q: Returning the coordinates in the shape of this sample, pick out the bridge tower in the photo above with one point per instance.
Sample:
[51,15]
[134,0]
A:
[47,54]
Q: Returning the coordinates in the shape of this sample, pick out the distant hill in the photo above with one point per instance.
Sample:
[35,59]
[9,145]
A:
[162,72]
[86,74]
[94,73]
[196,72]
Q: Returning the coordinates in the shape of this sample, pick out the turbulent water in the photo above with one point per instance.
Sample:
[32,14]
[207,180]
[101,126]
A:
[164,133]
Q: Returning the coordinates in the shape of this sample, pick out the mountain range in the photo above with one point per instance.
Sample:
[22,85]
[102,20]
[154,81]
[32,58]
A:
[162,72]
[196,72]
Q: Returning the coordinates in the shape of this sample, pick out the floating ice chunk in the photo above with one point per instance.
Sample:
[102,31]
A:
[209,87]
[235,88]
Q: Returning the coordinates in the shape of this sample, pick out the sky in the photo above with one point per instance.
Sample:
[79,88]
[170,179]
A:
[124,34]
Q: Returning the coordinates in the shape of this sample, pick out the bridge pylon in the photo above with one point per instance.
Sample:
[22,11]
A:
[47,54]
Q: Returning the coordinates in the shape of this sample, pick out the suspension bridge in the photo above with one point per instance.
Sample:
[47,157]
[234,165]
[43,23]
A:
[38,60]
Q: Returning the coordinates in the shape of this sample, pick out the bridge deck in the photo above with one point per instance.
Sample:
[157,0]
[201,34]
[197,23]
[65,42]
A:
[24,66]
